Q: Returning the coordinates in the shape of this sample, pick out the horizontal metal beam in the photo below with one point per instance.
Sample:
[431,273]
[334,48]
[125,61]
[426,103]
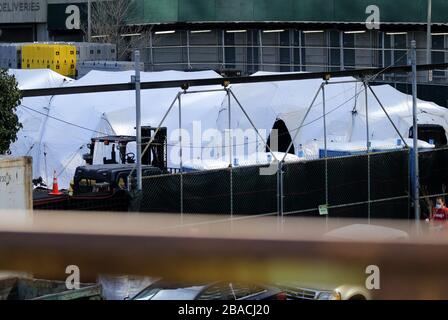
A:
[185,84]
[208,248]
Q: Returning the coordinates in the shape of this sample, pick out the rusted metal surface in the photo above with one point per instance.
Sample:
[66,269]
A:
[205,248]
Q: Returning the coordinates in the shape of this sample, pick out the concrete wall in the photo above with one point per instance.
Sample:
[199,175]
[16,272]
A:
[23,11]
[16,188]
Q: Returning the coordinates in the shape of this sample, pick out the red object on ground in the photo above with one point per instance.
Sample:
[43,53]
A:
[55,191]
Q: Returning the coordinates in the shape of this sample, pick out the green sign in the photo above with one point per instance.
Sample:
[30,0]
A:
[323,210]
[67,16]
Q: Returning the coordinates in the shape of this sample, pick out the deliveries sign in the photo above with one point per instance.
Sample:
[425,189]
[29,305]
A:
[22,11]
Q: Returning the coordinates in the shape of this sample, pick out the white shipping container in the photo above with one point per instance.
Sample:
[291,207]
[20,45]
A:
[16,187]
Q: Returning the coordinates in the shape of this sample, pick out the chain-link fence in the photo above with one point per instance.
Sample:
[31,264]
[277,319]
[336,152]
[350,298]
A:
[367,183]
[433,179]
[374,185]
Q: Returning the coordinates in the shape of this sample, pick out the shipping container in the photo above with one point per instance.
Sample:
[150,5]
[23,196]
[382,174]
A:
[61,57]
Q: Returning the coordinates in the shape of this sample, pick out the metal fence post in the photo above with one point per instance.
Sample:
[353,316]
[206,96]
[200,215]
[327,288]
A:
[368,148]
[181,170]
[138,118]
[415,133]
[325,147]
[230,153]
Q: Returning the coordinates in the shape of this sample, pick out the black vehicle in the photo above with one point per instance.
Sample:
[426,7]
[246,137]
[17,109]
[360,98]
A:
[113,173]
[108,185]
[155,156]
[107,179]
[222,290]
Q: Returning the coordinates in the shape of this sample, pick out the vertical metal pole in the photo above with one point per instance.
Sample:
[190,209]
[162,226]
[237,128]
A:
[223,35]
[368,149]
[383,57]
[325,148]
[281,165]
[301,68]
[429,38]
[151,50]
[260,40]
[341,50]
[415,134]
[291,50]
[181,160]
[230,154]
[89,20]
[188,50]
[138,119]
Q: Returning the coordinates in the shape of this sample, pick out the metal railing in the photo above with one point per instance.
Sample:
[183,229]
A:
[252,58]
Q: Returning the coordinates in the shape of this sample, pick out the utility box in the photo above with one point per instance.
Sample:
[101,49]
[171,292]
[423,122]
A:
[16,187]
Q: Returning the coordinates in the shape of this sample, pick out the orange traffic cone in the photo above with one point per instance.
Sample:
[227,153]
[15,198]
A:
[55,191]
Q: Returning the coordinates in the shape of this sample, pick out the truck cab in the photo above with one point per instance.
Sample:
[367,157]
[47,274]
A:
[110,164]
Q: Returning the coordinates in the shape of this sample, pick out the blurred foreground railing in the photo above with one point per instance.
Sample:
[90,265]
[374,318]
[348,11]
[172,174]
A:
[205,248]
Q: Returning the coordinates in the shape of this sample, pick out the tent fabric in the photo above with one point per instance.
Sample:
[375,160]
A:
[57,129]
[345,110]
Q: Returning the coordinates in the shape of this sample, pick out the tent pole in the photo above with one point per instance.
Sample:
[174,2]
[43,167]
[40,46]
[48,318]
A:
[415,135]
[153,137]
[303,121]
[252,124]
[324,111]
[387,115]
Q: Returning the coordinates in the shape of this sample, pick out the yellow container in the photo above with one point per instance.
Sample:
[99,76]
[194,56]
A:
[27,54]
[47,56]
[71,60]
[60,58]
[39,56]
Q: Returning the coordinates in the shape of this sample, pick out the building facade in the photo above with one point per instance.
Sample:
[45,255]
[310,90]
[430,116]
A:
[252,35]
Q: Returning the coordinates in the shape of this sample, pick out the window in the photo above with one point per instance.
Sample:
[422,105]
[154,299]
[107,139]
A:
[253,53]
[299,51]
[438,53]
[335,51]
[285,51]
[400,49]
[316,51]
[229,45]
[349,51]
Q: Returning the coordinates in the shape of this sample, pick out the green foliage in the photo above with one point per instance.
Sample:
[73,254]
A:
[9,100]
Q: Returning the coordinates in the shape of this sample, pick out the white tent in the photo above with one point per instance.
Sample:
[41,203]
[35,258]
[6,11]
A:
[33,114]
[345,111]
[67,123]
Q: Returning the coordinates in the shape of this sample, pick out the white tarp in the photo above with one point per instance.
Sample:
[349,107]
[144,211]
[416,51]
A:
[57,141]
[345,111]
